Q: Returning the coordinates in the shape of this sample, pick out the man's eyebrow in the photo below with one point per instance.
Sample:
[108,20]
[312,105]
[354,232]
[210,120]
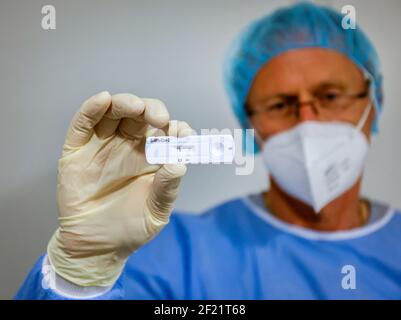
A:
[277,96]
[320,86]
[329,85]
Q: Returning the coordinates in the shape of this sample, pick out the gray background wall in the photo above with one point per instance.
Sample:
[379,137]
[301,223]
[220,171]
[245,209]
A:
[172,50]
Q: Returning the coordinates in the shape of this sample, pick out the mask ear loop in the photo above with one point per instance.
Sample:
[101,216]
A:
[364,117]
[366,112]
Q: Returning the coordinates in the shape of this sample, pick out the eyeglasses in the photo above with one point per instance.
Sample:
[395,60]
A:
[326,103]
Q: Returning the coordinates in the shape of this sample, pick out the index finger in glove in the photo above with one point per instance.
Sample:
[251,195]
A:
[154,114]
[123,106]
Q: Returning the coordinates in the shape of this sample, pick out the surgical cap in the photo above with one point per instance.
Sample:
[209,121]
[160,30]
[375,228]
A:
[298,26]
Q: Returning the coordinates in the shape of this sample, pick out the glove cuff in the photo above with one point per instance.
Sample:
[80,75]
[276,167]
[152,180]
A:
[99,269]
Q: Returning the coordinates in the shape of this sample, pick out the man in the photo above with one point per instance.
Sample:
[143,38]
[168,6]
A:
[312,91]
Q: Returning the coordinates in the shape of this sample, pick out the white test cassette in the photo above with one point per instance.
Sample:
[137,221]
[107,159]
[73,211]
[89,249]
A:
[194,149]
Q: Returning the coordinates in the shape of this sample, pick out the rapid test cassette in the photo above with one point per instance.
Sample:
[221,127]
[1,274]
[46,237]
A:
[196,149]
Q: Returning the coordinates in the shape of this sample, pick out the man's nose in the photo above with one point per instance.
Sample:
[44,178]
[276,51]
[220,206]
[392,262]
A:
[307,111]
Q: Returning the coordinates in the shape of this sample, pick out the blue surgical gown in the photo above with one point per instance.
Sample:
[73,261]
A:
[238,250]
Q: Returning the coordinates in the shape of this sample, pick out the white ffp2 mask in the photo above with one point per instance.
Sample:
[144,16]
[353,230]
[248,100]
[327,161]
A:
[316,162]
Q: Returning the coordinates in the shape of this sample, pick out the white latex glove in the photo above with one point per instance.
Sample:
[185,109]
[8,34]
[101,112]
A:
[110,200]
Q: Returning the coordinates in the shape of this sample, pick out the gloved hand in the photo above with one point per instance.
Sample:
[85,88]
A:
[110,200]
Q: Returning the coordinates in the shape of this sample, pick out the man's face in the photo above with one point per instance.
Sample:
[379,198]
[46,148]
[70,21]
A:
[303,75]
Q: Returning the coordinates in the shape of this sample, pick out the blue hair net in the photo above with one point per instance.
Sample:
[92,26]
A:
[298,26]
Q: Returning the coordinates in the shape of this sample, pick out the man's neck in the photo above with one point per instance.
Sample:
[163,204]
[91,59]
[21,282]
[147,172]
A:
[343,213]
